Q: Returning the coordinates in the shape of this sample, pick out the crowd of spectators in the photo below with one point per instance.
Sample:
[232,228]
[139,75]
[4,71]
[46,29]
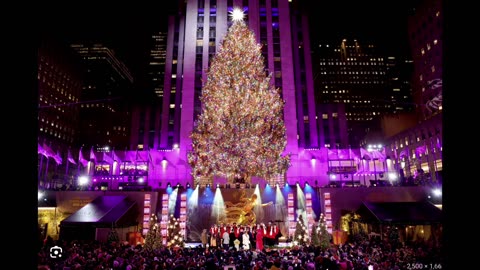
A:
[359,254]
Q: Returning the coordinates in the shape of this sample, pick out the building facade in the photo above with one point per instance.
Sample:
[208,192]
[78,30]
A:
[194,36]
[107,84]
[425,28]
[399,73]
[332,125]
[418,150]
[354,74]
[59,82]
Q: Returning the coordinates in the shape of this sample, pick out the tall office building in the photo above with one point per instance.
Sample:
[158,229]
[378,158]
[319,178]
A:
[156,65]
[194,36]
[59,81]
[107,84]
[59,89]
[399,71]
[425,27]
[332,126]
[146,115]
[354,74]
[418,150]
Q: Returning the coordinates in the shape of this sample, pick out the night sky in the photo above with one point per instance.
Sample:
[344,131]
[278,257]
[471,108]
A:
[128,28]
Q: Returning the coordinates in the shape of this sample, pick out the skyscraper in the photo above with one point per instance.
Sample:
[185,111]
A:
[107,82]
[418,150]
[425,27]
[146,115]
[398,93]
[354,74]
[59,81]
[194,36]
[156,65]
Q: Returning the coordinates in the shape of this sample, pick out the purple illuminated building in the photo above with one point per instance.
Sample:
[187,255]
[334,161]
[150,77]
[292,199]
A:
[107,82]
[194,36]
[425,29]
[59,81]
[418,149]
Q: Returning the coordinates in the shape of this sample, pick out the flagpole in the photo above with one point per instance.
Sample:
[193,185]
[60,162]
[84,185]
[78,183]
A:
[66,167]
[434,152]
[428,160]
[56,171]
[79,162]
[40,169]
[46,173]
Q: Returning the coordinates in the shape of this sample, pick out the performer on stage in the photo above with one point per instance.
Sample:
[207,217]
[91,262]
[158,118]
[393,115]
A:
[214,237]
[226,240]
[224,228]
[232,238]
[245,240]
[251,236]
[203,238]
[271,232]
[236,230]
[259,237]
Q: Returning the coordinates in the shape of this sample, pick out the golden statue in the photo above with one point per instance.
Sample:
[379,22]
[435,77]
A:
[243,212]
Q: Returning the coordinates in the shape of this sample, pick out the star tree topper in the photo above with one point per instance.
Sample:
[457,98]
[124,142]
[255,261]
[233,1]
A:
[237,15]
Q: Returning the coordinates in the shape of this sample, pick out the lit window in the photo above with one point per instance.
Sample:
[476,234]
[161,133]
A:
[172,106]
[433,68]
[423,51]
[324,116]
[428,46]
[435,42]
[437,14]
[334,115]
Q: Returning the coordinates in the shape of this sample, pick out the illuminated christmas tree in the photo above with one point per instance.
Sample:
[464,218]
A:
[113,236]
[301,235]
[315,240]
[175,237]
[324,237]
[240,132]
[152,238]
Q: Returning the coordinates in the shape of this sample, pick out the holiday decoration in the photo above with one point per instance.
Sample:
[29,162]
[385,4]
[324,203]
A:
[153,239]
[240,132]
[175,237]
[323,235]
[301,236]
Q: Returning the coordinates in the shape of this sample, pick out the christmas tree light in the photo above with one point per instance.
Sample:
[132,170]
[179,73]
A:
[175,238]
[153,238]
[240,132]
[322,234]
[301,236]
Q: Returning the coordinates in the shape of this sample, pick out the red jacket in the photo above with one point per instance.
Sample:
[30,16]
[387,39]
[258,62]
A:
[272,231]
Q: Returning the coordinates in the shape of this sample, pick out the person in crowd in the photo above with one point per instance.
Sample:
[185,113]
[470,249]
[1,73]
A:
[357,253]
